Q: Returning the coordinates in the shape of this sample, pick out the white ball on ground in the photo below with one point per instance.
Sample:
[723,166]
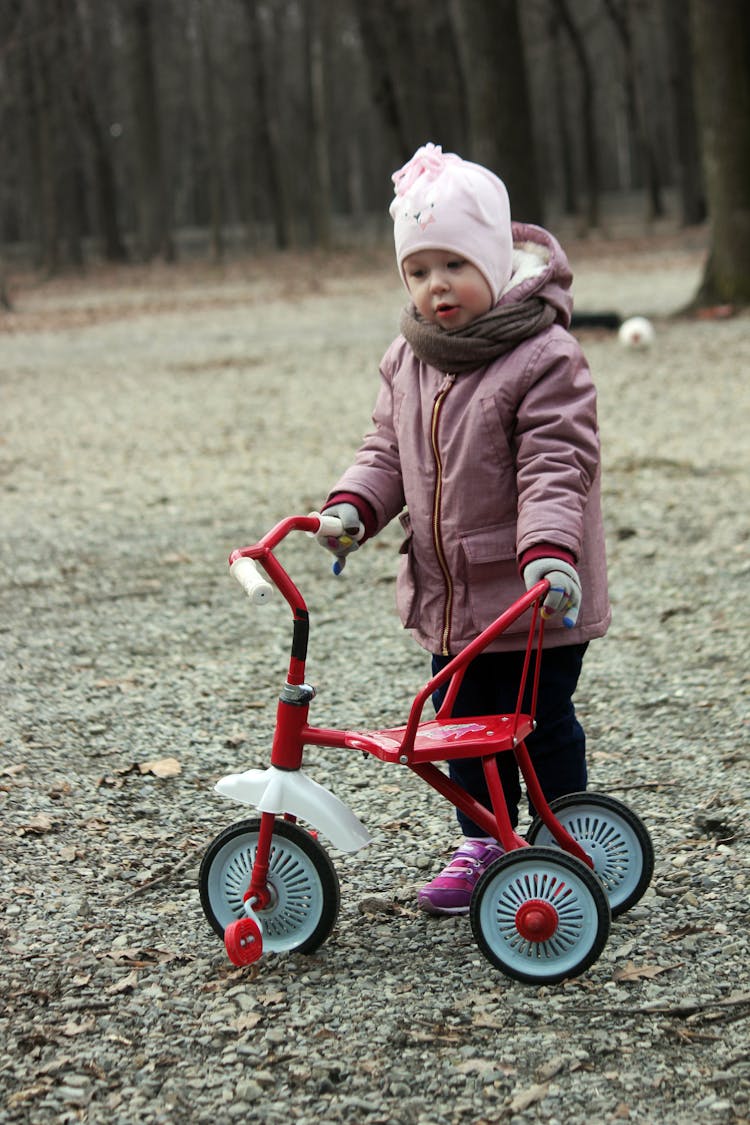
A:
[636,332]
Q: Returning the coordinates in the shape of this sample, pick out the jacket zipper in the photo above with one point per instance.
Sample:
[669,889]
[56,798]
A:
[436,531]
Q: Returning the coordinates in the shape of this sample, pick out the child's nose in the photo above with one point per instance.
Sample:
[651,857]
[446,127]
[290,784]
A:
[439,281]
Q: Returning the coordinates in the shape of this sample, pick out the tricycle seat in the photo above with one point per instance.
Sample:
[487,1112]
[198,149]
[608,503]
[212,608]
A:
[441,739]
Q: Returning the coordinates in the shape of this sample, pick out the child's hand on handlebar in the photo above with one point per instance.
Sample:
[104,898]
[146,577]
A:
[352,531]
[564,594]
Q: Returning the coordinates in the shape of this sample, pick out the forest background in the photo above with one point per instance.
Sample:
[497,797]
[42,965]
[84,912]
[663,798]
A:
[142,129]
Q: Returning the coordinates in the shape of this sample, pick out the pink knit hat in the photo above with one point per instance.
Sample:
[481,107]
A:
[445,203]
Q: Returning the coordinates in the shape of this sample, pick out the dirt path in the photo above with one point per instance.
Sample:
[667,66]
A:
[151,422]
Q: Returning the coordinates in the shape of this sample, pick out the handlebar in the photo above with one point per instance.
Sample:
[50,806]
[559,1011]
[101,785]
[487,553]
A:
[242,564]
[243,567]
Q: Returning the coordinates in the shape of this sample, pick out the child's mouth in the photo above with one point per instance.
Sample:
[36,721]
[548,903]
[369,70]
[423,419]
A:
[445,310]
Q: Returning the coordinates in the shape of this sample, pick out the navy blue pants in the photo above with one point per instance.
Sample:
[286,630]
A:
[557,747]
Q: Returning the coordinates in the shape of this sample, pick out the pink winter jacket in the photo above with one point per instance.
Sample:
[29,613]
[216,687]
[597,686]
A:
[489,464]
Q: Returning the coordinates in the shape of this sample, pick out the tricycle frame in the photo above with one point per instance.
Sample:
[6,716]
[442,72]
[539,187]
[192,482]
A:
[419,745]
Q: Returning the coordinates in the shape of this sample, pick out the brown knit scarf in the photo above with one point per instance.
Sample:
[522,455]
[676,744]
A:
[455,350]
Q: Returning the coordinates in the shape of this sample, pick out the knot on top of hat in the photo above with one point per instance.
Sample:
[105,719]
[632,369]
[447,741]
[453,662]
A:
[429,160]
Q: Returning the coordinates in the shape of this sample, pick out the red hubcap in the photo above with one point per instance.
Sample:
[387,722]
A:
[536,920]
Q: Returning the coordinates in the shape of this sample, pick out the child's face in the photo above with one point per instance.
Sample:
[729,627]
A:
[446,289]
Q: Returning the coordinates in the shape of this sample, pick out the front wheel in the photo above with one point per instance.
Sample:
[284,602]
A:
[540,915]
[302,882]
[613,836]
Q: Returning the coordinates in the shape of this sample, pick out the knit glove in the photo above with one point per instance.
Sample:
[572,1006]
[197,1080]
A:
[564,594]
[348,541]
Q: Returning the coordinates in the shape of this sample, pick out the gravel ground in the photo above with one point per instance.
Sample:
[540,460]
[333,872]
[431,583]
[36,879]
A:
[152,421]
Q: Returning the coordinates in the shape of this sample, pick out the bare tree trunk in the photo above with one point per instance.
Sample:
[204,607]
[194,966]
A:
[215,193]
[155,233]
[376,20]
[72,196]
[355,183]
[5,302]
[105,185]
[444,76]
[270,141]
[44,170]
[635,110]
[689,173]
[721,45]
[86,99]
[498,99]
[590,151]
[561,117]
[76,52]
[320,185]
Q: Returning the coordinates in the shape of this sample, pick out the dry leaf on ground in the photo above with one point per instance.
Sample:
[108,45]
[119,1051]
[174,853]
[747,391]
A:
[529,1096]
[36,826]
[161,767]
[631,971]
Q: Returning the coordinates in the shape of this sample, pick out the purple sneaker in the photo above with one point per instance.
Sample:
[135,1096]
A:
[450,892]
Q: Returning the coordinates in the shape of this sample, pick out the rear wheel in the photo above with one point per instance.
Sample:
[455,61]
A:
[613,836]
[540,915]
[302,881]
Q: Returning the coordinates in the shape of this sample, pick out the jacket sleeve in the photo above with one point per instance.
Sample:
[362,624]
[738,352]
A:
[375,474]
[556,445]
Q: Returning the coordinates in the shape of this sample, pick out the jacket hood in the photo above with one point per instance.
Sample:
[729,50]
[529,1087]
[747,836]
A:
[540,269]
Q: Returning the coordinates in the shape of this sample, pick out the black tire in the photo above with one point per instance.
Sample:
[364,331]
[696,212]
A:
[302,879]
[547,881]
[613,835]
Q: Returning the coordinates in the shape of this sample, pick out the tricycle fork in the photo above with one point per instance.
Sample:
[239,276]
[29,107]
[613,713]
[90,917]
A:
[257,894]
[243,938]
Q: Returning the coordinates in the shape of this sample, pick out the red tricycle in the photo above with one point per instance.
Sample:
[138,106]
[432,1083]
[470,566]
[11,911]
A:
[540,913]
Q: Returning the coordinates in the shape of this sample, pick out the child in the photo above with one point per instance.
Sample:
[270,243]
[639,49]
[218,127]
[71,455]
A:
[485,430]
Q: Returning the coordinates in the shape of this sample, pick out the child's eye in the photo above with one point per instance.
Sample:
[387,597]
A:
[416,273]
[456,263]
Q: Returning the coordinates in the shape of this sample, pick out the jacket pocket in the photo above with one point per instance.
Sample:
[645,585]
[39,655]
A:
[492,580]
[490,544]
[406,582]
[496,433]
[405,520]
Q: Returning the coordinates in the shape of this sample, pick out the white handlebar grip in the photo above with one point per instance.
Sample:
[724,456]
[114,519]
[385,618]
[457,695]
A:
[330,526]
[333,528]
[255,585]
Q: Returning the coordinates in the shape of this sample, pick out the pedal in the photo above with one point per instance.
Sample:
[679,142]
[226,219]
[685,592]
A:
[243,941]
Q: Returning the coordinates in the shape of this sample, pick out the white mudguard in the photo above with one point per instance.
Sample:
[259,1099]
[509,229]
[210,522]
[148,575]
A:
[291,791]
